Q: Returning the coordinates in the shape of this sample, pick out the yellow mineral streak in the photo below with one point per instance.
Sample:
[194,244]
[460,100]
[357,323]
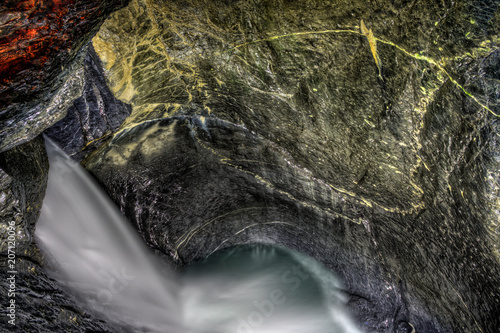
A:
[120,155]
[105,52]
[184,83]
[373,46]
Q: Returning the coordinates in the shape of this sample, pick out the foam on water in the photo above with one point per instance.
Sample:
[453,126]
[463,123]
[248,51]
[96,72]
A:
[106,265]
[264,289]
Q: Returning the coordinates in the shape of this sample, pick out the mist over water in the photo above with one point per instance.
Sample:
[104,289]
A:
[102,260]
[264,289]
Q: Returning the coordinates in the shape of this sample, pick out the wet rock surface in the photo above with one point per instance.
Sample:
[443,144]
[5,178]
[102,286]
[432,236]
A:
[93,117]
[41,304]
[305,77]
[372,146]
[23,176]
[193,185]
[376,150]
[39,72]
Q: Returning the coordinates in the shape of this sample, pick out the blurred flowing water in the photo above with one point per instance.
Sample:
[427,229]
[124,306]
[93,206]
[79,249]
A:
[101,260]
[265,289]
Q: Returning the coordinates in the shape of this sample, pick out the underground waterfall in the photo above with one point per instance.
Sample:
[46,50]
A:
[102,261]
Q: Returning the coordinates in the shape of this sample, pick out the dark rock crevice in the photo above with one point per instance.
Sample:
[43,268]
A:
[93,117]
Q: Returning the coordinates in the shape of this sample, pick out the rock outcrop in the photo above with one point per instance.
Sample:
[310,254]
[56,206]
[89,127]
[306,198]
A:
[93,117]
[372,147]
[40,61]
[365,134]
[23,176]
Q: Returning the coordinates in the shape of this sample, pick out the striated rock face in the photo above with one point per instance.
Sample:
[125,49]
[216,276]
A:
[193,186]
[23,177]
[313,70]
[93,117]
[39,72]
[41,305]
[374,150]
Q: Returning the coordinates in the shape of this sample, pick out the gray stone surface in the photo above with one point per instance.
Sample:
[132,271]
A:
[93,117]
[23,177]
[40,61]
[375,150]
[285,122]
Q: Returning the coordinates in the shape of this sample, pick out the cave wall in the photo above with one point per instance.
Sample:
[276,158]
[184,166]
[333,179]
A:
[285,122]
[23,175]
[93,117]
[281,122]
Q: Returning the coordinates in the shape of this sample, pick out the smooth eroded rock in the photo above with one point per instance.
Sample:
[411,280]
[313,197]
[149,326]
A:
[93,117]
[372,146]
[39,63]
[23,177]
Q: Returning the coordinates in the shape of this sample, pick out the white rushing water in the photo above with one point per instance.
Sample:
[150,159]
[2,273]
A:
[102,260]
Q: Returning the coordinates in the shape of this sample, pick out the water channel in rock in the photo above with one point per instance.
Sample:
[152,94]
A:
[101,260]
